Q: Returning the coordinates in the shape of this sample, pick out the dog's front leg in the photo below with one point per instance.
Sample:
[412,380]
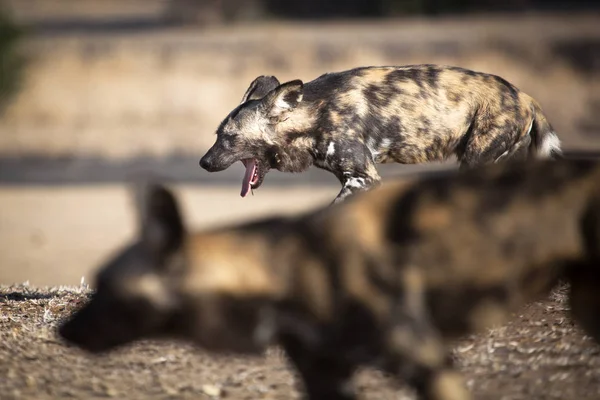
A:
[354,183]
[322,377]
[351,185]
[353,165]
[414,349]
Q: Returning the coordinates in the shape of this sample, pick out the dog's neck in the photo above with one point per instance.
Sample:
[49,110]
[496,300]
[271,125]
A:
[297,134]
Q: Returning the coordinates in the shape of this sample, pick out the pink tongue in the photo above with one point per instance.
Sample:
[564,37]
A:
[250,167]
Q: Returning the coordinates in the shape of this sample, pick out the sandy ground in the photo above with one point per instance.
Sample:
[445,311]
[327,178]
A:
[539,354]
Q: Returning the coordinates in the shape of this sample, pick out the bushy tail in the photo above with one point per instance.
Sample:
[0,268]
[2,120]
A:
[545,143]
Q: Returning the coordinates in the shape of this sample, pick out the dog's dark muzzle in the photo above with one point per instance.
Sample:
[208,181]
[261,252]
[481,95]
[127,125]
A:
[217,159]
[207,164]
[213,164]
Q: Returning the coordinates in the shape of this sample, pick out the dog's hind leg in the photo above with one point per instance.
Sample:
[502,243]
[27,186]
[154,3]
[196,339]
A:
[491,139]
[324,378]
[415,351]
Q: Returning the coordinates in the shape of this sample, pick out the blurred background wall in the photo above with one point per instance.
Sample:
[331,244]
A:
[110,89]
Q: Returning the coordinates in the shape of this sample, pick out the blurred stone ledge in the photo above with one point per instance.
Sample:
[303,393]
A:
[127,94]
[181,168]
[178,168]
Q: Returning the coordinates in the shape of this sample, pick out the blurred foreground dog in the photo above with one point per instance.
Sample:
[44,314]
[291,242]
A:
[347,122]
[388,278]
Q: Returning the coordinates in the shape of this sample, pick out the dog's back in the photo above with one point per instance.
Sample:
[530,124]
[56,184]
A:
[437,111]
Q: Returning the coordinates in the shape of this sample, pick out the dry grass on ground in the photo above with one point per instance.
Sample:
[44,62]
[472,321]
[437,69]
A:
[538,355]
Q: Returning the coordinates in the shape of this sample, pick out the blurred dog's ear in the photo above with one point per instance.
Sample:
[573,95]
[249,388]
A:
[161,227]
[260,87]
[284,98]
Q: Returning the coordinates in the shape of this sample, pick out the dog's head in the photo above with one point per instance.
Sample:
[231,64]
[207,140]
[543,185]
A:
[167,285]
[248,134]
[134,297]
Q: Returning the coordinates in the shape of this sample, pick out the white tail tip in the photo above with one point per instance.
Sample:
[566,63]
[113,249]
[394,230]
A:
[550,145]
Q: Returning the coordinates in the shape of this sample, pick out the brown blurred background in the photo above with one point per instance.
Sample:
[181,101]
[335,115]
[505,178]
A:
[110,90]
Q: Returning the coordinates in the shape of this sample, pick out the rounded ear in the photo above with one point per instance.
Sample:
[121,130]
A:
[161,226]
[259,88]
[284,98]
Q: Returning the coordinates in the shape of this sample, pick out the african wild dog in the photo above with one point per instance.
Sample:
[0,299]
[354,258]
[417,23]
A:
[388,278]
[347,122]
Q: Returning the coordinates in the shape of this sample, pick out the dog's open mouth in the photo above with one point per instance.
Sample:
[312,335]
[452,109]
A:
[251,175]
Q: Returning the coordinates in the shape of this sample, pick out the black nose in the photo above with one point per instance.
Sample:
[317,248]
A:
[204,163]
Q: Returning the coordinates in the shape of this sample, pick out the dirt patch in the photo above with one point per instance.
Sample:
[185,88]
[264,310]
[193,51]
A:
[539,354]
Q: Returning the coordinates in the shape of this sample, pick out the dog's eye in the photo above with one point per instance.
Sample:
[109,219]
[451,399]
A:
[229,139]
